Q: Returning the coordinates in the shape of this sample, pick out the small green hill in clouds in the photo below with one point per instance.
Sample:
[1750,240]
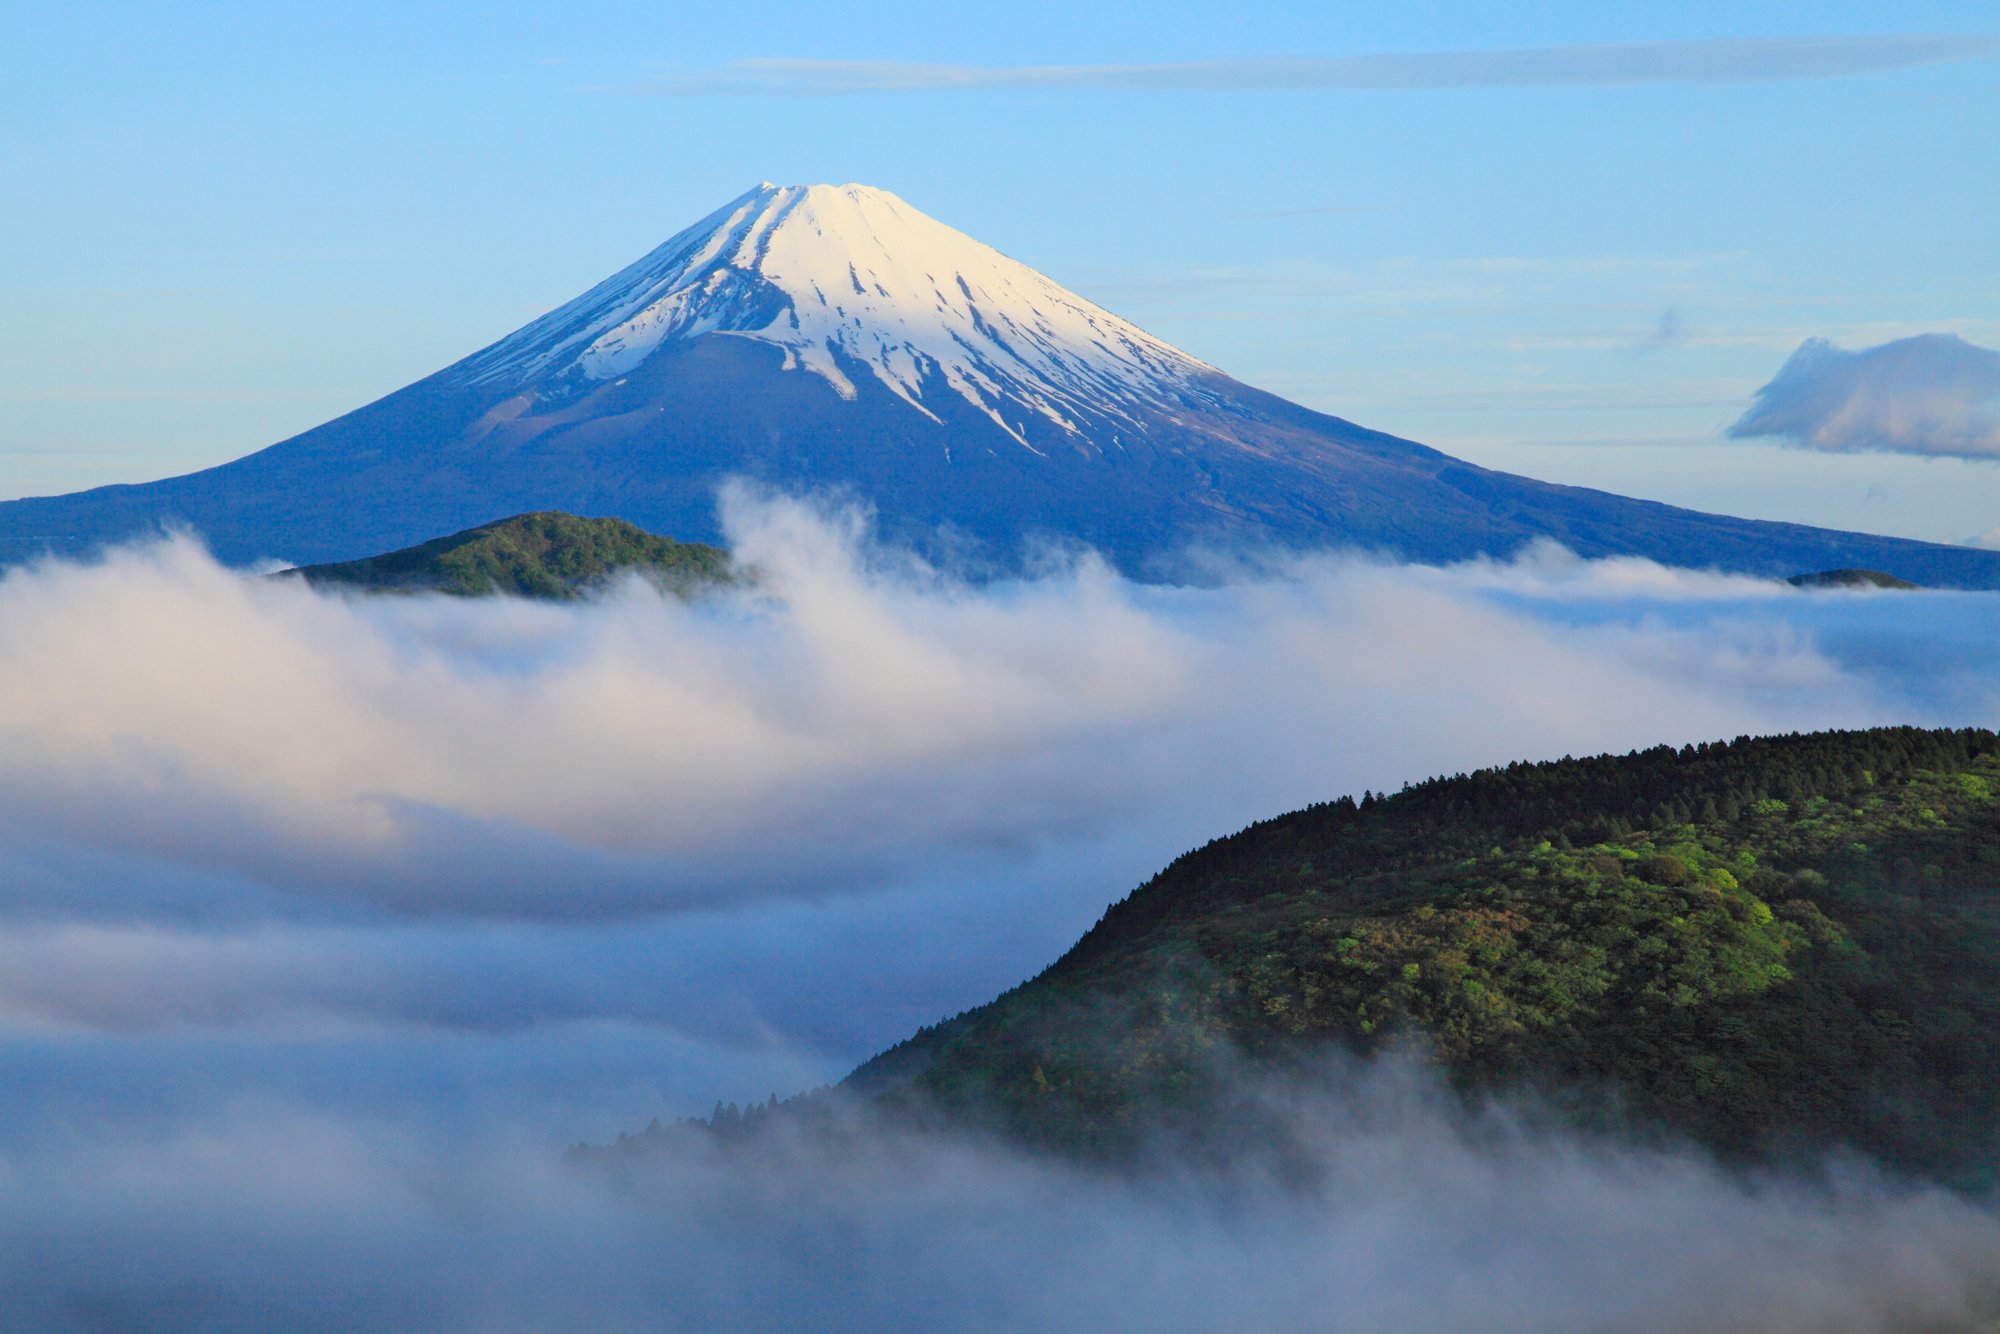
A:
[1769,945]
[547,554]
[1849,579]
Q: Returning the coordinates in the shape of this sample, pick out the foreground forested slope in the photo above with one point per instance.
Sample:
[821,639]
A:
[1788,943]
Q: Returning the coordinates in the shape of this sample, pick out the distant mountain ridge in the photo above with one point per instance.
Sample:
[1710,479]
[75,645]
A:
[546,555]
[1850,579]
[834,339]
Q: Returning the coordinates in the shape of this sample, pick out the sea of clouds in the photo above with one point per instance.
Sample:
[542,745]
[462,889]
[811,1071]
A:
[326,921]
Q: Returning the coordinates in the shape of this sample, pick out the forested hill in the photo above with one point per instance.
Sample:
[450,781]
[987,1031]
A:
[543,555]
[1769,944]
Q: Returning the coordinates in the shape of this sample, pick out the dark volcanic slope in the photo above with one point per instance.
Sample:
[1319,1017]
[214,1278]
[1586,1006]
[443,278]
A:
[1783,943]
[1253,469]
[834,339]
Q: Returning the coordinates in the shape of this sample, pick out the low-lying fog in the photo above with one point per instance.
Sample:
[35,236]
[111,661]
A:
[326,922]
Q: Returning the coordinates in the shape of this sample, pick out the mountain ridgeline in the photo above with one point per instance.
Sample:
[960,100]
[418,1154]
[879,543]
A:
[548,555]
[1851,579]
[833,339]
[1770,946]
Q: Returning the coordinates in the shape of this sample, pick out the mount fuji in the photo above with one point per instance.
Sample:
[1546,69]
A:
[834,339]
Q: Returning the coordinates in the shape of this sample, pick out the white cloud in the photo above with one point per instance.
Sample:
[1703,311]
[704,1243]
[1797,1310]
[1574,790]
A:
[1931,394]
[1392,1209]
[461,877]
[236,806]
[1715,61]
[635,755]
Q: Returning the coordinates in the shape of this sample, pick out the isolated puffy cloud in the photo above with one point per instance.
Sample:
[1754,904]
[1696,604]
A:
[1931,394]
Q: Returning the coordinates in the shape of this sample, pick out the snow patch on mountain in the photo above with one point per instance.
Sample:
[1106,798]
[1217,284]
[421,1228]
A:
[846,277]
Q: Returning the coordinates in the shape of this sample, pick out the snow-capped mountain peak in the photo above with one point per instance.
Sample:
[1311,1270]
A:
[990,412]
[849,280]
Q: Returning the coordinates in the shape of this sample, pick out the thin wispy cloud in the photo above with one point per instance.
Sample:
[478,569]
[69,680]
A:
[1714,61]
[1668,331]
[1317,212]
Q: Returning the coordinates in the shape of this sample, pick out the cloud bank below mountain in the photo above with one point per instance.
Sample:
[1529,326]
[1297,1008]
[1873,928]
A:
[238,803]
[325,920]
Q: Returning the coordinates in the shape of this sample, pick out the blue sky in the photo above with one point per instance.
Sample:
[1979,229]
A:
[226,226]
